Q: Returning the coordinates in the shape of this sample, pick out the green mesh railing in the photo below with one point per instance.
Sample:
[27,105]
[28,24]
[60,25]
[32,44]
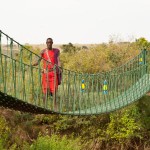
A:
[78,94]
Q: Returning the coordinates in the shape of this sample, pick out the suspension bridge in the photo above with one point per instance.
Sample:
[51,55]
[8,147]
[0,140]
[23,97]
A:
[78,94]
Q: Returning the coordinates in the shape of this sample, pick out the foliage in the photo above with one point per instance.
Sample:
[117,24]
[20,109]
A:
[128,124]
[55,143]
[125,125]
[4,131]
[69,48]
[144,107]
[99,58]
[86,127]
[142,43]
[1,144]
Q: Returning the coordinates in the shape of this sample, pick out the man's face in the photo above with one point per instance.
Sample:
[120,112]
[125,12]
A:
[49,43]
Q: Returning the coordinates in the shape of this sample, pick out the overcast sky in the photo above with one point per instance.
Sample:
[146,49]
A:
[75,21]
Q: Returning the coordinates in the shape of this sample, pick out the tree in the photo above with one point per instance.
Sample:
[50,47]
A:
[69,48]
[142,43]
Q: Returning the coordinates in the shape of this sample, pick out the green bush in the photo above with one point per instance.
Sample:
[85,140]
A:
[55,143]
[98,58]
[125,125]
[1,144]
[4,132]
[144,107]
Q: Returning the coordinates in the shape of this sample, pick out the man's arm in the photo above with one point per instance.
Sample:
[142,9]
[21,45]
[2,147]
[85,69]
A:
[37,62]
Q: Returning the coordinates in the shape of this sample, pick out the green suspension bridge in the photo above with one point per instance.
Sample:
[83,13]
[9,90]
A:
[78,94]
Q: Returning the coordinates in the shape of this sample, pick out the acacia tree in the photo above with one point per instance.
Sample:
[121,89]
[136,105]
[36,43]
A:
[69,48]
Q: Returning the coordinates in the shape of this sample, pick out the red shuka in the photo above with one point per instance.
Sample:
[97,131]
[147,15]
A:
[49,79]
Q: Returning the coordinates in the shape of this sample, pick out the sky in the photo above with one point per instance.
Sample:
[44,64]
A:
[75,21]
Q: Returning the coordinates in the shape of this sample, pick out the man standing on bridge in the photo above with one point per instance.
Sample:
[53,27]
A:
[50,77]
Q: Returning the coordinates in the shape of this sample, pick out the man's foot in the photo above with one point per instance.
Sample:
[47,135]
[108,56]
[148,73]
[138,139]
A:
[51,94]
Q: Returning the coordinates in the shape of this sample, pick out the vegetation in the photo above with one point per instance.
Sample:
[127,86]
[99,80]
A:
[55,143]
[98,58]
[125,129]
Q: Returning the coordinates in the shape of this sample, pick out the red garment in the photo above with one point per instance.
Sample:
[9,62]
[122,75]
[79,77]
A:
[49,79]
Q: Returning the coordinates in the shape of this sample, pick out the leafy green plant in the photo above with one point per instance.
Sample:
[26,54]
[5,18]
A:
[55,143]
[1,144]
[99,58]
[4,131]
[142,43]
[125,125]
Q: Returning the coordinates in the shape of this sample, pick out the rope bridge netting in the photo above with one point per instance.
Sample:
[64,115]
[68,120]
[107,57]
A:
[78,94]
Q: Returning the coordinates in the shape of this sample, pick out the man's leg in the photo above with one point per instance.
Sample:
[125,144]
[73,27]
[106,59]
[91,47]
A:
[44,99]
[51,94]
[44,88]
[53,89]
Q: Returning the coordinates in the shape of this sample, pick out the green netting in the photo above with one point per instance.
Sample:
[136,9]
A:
[78,94]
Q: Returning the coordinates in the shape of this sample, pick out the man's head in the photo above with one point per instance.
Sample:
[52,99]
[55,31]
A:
[49,43]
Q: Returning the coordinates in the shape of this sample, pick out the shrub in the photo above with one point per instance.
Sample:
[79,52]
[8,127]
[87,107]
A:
[125,125]
[4,132]
[55,143]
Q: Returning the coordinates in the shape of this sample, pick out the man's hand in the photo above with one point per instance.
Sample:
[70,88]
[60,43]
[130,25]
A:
[35,64]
